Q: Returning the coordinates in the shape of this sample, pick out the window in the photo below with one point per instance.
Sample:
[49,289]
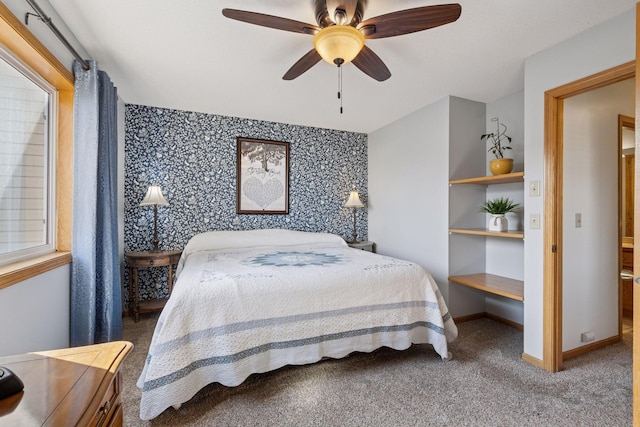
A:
[24,46]
[27,139]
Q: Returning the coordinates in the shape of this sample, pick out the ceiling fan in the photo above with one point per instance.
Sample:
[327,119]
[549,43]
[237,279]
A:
[340,32]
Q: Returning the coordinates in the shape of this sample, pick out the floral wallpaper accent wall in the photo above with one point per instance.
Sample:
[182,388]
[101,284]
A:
[192,157]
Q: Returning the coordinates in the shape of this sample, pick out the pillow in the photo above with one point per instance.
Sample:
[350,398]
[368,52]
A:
[213,240]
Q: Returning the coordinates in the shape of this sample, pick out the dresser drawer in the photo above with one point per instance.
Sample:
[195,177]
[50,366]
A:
[152,258]
[110,406]
[161,261]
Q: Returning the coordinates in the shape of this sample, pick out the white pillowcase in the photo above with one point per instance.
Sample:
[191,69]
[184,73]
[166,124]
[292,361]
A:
[215,240]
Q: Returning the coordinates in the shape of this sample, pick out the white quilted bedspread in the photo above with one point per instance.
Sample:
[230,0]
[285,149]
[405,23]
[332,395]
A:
[242,310]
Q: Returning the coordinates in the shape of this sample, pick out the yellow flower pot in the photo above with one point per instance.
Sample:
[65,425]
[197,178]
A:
[501,166]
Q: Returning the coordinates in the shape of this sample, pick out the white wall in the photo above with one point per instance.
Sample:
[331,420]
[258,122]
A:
[408,176]
[510,111]
[410,164]
[505,257]
[467,253]
[599,48]
[34,314]
[590,171]
[411,205]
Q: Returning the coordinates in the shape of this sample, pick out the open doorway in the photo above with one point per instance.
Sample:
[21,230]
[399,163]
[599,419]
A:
[554,225]
[627,144]
[592,207]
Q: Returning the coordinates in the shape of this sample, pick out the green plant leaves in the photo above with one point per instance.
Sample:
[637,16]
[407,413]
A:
[499,206]
[497,146]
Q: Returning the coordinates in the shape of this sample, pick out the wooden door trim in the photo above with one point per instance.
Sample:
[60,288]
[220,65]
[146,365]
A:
[636,254]
[552,224]
[552,294]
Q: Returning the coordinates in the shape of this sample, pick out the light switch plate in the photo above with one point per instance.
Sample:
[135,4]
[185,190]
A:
[534,221]
[534,188]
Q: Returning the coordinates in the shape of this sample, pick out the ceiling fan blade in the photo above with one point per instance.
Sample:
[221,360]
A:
[310,59]
[371,64]
[410,20]
[270,21]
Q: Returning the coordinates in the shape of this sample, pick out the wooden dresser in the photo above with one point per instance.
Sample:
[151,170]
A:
[73,386]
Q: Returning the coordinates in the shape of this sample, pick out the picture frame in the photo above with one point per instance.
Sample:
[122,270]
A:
[262,176]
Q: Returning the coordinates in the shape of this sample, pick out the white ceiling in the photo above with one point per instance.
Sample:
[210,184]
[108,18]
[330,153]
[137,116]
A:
[184,54]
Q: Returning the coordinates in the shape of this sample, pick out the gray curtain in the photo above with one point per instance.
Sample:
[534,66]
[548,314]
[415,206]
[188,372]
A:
[96,300]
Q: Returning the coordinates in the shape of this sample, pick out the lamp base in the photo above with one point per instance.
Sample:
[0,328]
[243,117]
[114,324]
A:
[156,240]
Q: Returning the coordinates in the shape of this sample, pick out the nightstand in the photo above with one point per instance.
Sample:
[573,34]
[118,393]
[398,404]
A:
[150,259]
[365,246]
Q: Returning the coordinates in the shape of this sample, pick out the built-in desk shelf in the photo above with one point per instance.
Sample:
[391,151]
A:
[498,285]
[511,234]
[492,179]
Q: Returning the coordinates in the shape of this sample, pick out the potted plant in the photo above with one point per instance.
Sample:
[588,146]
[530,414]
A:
[498,208]
[500,142]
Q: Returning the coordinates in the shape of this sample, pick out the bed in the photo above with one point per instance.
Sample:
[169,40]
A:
[249,302]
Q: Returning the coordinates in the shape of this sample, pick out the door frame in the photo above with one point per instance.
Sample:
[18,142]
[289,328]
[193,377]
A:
[636,238]
[552,224]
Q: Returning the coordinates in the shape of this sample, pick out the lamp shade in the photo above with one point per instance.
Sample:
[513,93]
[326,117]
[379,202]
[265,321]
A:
[338,42]
[154,197]
[354,201]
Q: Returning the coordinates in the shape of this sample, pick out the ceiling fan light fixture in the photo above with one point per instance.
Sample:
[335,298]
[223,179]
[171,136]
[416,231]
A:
[338,42]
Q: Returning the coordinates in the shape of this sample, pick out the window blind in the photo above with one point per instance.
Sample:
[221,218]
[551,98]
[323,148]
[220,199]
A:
[23,161]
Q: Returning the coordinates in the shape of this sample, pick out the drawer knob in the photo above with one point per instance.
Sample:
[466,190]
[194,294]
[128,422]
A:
[151,262]
[104,411]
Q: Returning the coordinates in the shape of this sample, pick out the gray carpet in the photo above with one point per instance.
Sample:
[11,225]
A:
[487,384]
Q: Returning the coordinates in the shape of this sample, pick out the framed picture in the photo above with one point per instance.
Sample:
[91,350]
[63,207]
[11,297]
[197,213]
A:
[263,176]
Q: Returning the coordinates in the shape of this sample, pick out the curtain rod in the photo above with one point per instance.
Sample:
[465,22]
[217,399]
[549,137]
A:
[47,20]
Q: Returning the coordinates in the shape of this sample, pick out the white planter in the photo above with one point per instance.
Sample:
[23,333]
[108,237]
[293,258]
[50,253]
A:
[498,223]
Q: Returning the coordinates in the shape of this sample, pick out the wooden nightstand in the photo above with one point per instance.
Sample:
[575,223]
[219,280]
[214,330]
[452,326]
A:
[78,386]
[365,246]
[150,259]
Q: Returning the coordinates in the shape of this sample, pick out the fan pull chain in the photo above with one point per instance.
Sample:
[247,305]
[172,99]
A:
[340,87]
[339,62]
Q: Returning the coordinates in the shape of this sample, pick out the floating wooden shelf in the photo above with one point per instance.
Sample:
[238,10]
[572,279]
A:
[511,234]
[498,285]
[493,179]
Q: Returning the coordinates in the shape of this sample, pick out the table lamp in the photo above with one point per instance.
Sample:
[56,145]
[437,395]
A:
[354,203]
[154,197]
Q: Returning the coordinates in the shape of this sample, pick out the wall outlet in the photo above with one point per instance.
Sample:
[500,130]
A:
[587,336]
[534,221]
